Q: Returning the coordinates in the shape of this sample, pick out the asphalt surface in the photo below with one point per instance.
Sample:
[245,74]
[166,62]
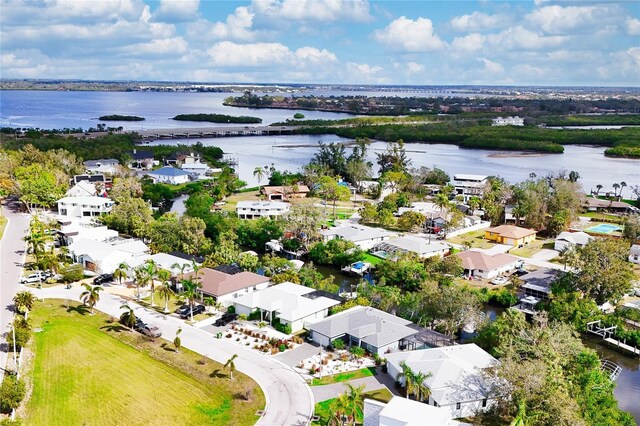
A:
[12,248]
[289,398]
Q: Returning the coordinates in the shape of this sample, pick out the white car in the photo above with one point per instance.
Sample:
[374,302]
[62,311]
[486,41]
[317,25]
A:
[499,280]
[34,278]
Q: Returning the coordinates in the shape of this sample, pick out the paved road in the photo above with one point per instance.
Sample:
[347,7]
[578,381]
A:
[289,398]
[11,258]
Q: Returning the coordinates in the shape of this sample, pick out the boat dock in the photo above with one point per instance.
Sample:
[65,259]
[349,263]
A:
[594,327]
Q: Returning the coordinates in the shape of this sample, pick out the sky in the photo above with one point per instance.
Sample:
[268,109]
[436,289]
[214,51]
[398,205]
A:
[541,42]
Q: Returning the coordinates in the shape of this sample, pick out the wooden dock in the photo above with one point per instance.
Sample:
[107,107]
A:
[594,327]
[622,346]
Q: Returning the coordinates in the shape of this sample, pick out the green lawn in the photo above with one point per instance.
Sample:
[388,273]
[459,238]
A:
[323,408]
[3,224]
[344,377]
[534,247]
[475,238]
[88,370]
[373,260]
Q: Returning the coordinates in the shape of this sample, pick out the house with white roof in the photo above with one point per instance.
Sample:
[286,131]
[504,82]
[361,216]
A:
[258,209]
[411,244]
[365,237]
[566,240]
[634,254]
[293,304]
[405,412]
[469,185]
[84,188]
[168,261]
[169,175]
[84,206]
[73,230]
[477,263]
[104,257]
[508,121]
[455,376]
[105,165]
[202,170]
[372,329]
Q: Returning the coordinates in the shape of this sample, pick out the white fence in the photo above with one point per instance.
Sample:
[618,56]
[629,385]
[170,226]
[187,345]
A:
[477,227]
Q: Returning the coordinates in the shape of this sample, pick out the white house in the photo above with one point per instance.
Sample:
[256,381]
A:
[73,229]
[411,244]
[105,256]
[469,185]
[455,377]
[84,188]
[202,170]
[508,121]
[376,331]
[105,165]
[634,254]
[169,175]
[477,263]
[365,237]
[566,240]
[258,209]
[226,288]
[405,412]
[84,206]
[295,305]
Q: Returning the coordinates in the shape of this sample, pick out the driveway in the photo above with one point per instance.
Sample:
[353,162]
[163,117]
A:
[371,383]
[546,254]
[294,356]
[12,249]
[289,398]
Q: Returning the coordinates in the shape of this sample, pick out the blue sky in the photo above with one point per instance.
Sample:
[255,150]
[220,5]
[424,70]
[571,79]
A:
[542,42]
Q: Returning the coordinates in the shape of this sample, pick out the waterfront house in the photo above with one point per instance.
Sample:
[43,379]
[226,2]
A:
[84,206]
[536,288]
[634,254]
[258,209]
[73,229]
[104,257]
[105,165]
[225,288]
[566,240]
[469,185]
[477,263]
[404,412]
[597,205]
[364,237]
[141,159]
[455,376]
[510,235]
[101,181]
[292,304]
[421,246]
[84,188]
[374,330]
[169,175]
[508,121]
[281,193]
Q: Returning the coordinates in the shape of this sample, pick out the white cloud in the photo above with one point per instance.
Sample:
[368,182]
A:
[573,19]
[313,10]
[268,55]
[56,11]
[491,66]
[521,38]
[632,26]
[473,42]
[409,35]
[477,21]
[237,27]
[177,10]
[167,46]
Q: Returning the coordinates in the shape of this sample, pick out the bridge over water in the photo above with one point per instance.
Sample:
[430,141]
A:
[215,132]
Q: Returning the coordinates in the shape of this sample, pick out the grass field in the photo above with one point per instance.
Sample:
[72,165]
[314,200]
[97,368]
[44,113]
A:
[89,370]
[373,260]
[323,408]
[475,238]
[533,248]
[344,377]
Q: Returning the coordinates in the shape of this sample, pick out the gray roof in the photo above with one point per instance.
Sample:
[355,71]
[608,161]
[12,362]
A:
[635,249]
[541,279]
[372,326]
[580,238]
[103,162]
[415,244]
[355,233]
[168,171]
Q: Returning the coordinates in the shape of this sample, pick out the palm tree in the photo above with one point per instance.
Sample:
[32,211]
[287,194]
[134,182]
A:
[122,272]
[209,303]
[165,290]
[24,301]
[49,260]
[128,317]
[139,277]
[90,296]
[422,391]
[622,185]
[414,382]
[231,365]
[442,202]
[598,189]
[181,267]
[190,293]
[355,399]
[615,189]
[151,270]
[259,173]
[339,409]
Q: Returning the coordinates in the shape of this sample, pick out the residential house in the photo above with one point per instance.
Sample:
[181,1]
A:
[421,246]
[293,304]
[174,264]
[281,193]
[455,376]
[141,159]
[405,412]
[101,181]
[469,185]
[374,330]
[536,288]
[566,240]
[510,235]
[105,165]
[84,206]
[169,175]
[364,237]
[258,209]
[84,188]
[73,229]
[201,170]
[477,263]
[104,257]
[180,158]
[634,254]
[225,288]
[508,121]
[597,205]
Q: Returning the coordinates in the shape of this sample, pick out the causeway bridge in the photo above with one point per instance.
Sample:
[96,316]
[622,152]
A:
[215,132]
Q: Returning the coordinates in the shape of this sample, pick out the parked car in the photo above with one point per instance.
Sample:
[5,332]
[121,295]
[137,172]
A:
[36,277]
[198,309]
[182,309]
[520,264]
[499,280]
[520,272]
[225,319]
[147,329]
[103,278]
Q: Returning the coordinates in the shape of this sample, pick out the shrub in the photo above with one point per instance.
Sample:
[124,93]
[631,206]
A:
[72,273]
[12,392]
[338,344]
[231,309]
[282,347]
[22,333]
[357,351]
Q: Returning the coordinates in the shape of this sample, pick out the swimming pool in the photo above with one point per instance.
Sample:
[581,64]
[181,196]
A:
[381,254]
[604,228]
